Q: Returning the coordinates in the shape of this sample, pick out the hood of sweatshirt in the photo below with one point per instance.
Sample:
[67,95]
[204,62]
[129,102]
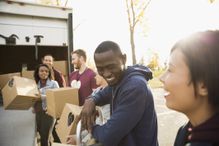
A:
[139,70]
[135,70]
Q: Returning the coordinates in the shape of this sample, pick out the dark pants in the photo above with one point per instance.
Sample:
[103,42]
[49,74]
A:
[44,125]
[55,135]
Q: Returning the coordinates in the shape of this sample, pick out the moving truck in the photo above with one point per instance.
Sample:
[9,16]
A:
[28,31]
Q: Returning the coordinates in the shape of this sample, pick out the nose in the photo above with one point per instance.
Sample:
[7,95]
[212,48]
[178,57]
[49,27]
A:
[106,73]
[45,71]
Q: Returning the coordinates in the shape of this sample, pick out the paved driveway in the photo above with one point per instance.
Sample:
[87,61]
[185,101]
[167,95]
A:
[168,120]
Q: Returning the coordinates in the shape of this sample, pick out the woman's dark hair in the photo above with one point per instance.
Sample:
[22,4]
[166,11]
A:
[36,72]
[201,52]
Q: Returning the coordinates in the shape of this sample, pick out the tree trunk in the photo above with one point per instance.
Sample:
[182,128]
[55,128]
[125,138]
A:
[132,45]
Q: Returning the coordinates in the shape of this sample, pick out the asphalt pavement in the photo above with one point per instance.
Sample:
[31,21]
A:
[169,121]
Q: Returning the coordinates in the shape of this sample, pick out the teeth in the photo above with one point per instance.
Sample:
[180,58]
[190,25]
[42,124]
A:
[167,93]
[109,79]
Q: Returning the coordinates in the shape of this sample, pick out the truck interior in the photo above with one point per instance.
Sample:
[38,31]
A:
[14,57]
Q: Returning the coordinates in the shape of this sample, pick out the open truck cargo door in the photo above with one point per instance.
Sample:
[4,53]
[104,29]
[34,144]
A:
[29,31]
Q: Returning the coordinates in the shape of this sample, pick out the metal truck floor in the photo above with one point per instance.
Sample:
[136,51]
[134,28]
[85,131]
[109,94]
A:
[17,127]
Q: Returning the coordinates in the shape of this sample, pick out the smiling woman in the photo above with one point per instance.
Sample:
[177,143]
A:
[42,75]
[191,87]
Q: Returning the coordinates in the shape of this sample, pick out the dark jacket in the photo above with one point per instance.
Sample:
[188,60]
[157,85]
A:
[133,121]
[59,78]
[206,134]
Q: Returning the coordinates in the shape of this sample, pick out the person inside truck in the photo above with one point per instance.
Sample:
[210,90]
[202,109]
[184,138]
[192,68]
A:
[191,84]
[133,120]
[45,122]
[56,74]
[84,77]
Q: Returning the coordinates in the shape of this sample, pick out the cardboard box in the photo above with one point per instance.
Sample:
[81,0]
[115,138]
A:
[28,74]
[56,99]
[60,144]
[67,123]
[4,78]
[20,93]
[61,66]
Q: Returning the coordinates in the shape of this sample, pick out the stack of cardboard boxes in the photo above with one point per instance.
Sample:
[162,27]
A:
[28,74]
[62,66]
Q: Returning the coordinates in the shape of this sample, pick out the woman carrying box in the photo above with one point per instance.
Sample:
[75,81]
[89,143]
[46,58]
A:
[44,121]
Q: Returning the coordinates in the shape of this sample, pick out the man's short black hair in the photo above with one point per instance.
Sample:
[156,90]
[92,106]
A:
[107,46]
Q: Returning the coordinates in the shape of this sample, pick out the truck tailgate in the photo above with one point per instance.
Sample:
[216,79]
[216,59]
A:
[17,127]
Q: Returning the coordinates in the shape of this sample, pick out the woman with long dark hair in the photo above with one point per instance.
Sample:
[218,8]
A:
[44,121]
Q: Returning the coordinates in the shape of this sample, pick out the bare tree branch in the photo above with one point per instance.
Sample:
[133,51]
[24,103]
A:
[133,13]
[141,12]
[128,11]
[66,2]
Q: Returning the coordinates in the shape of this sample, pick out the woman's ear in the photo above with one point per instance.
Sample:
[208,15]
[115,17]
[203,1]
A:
[202,89]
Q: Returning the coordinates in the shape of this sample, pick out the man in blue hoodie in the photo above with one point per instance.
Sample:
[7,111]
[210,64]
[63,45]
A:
[133,120]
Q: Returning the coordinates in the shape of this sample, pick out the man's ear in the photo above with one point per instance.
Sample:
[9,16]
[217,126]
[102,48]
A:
[42,59]
[202,89]
[81,58]
[124,58]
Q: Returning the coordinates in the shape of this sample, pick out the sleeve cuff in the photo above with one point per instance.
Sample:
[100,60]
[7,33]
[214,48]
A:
[94,99]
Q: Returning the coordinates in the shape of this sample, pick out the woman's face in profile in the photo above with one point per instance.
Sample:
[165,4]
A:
[179,91]
[43,72]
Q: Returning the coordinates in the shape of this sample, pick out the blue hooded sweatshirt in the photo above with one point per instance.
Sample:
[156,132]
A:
[133,120]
